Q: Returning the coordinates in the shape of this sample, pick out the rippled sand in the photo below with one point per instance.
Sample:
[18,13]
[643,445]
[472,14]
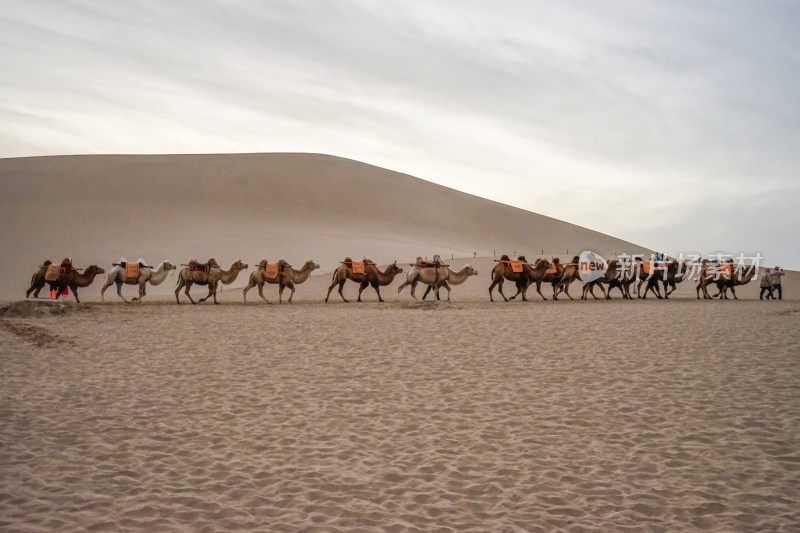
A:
[575,416]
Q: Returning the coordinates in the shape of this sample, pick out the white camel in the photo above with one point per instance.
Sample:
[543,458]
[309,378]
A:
[436,278]
[146,274]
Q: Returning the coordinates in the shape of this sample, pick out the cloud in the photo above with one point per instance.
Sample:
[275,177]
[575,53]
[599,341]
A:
[600,114]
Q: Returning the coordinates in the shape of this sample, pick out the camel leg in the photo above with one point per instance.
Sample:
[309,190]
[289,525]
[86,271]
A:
[142,291]
[178,290]
[250,285]
[638,290]
[499,283]
[188,285]
[106,285]
[414,289]
[377,288]
[733,291]
[446,286]
[291,288]
[539,290]
[280,293]
[341,286]
[261,293]
[403,285]
[586,287]
[361,289]
[566,290]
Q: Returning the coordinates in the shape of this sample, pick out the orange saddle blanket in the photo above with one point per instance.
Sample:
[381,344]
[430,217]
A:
[132,270]
[358,267]
[271,270]
[516,266]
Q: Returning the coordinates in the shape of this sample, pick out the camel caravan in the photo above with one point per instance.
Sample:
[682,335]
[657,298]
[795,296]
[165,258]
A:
[639,277]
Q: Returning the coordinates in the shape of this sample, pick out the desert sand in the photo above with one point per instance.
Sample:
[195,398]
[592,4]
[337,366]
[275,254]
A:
[543,416]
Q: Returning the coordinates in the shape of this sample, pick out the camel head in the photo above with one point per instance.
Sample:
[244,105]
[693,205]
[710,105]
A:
[471,271]
[238,265]
[169,266]
[92,270]
[542,264]
[393,268]
[311,265]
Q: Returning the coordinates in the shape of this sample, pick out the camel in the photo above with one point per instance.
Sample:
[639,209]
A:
[435,278]
[286,277]
[738,278]
[37,280]
[371,276]
[535,274]
[155,276]
[75,279]
[553,278]
[502,271]
[667,276]
[569,275]
[610,277]
[709,276]
[187,278]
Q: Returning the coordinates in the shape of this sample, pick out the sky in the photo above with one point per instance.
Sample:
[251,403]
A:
[672,124]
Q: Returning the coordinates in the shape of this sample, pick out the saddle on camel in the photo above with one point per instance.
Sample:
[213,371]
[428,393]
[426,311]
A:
[271,270]
[194,266]
[55,273]
[516,264]
[131,268]
[436,263]
[357,266]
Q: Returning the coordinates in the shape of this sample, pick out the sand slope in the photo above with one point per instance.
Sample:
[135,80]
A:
[251,206]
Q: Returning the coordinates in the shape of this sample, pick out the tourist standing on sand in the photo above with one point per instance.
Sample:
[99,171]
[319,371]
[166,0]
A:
[777,273]
[766,285]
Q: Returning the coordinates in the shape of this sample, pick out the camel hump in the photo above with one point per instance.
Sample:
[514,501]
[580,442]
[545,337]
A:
[282,262]
[522,258]
[347,260]
[504,257]
[556,261]
[212,261]
[368,261]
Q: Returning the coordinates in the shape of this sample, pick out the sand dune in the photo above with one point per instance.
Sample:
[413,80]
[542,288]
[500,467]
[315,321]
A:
[96,209]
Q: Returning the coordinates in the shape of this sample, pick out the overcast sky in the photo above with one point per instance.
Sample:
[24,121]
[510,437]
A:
[672,124]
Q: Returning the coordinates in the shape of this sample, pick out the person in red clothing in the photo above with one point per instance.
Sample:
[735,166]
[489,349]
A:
[66,266]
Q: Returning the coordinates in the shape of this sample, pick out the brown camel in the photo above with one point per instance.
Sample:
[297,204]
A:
[504,270]
[652,274]
[75,279]
[552,276]
[187,278]
[569,275]
[536,274]
[371,275]
[741,275]
[711,274]
[610,277]
[37,280]
[285,277]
